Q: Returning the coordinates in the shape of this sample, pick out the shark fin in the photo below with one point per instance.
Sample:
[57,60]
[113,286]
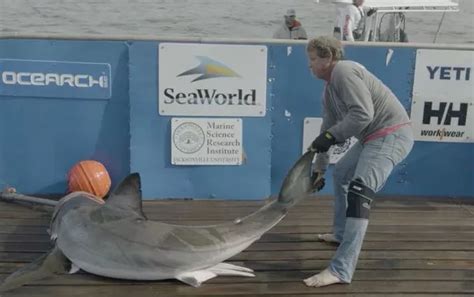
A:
[46,265]
[74,268]
[128,195]
[231,270]
[231,267]
[196,278]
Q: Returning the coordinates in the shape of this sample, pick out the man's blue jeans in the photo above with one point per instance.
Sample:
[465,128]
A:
[371,162]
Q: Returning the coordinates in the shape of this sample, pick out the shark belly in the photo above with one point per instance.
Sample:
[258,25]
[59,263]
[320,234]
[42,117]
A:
[142,251]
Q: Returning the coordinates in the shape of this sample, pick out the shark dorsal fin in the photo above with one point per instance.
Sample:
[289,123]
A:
[128,195]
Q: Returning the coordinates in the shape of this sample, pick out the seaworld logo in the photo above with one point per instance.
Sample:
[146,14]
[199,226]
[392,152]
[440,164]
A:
[209,68]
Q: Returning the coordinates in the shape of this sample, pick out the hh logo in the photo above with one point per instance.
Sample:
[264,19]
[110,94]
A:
[209,68]
[445,113]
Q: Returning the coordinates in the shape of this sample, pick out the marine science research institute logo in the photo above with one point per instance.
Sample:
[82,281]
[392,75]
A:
[188,137]
[209,68]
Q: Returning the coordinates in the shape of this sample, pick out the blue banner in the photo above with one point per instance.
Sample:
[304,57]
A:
[58,79]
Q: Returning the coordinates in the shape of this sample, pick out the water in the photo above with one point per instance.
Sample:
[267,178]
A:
[205,18]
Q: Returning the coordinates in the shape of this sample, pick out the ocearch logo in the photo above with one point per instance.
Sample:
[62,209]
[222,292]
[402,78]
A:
[40,78]
[45,79]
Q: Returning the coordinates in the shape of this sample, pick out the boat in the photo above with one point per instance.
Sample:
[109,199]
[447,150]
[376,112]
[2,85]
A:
[388,23]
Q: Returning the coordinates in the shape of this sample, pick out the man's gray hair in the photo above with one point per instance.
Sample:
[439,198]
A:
[325,46]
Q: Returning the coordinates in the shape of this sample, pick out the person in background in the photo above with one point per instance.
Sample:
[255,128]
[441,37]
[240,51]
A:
[353,20]
[341,6]
[355,104]
[291,28]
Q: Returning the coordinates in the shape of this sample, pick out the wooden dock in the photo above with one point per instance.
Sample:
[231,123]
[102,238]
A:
[414,247]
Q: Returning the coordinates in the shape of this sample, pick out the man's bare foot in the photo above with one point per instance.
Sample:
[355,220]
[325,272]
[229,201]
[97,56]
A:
[324,278]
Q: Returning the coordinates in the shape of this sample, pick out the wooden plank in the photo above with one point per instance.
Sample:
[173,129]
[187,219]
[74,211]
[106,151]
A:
[148,293]
[86,279]
[368,245]
[453,223]
[37,234]
[373,227]
[44,245]
[372,255]
[297,255]
[24,238]
[229,215]
[275,289]
[468,231]
[370,236]
[469,208]
[315,201]
[320,200]
[32,234]
[362,264]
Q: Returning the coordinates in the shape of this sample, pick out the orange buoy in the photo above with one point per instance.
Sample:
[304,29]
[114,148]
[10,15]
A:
[89,176]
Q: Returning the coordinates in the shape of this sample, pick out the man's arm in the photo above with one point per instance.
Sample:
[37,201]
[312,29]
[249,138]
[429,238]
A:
[358,100]
[322,159]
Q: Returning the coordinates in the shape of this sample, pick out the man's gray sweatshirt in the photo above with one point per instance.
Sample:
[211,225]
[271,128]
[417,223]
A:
[356,103]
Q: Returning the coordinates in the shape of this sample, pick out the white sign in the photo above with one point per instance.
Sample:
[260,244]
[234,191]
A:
[200,141]
[311,130]
[212,79]
[443,96]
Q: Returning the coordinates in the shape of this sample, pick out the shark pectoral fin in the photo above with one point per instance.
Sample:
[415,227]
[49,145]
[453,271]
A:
[196,278]
[231,270]
[74,268]
[228,266]
[46,265]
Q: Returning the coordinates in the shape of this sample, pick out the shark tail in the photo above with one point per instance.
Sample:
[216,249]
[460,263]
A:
[297,183]
[46,265]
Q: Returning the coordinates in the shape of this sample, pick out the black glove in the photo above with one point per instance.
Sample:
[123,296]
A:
[317,181]
[322,143]
[371,11]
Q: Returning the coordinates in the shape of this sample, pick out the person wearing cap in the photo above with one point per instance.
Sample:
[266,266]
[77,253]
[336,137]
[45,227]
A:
[291,28]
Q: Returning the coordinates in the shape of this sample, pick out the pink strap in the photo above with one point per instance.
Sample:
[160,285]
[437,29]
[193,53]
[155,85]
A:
[384,132]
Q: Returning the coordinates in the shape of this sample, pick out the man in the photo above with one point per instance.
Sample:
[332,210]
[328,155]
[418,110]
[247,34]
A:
[353,20]
[291,28]
[355,103]
[341,7]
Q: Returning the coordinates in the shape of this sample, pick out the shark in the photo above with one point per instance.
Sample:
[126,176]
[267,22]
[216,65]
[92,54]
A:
[114,238]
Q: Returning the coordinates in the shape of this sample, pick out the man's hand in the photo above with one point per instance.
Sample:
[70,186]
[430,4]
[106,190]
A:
[371,11]
[322,143]
[317,181]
